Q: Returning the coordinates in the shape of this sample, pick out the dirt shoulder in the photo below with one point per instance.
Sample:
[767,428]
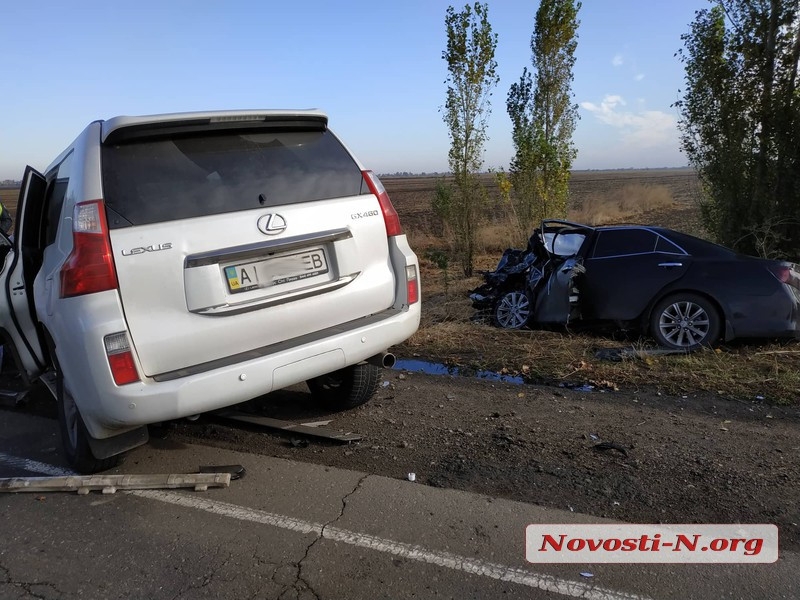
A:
[688,459]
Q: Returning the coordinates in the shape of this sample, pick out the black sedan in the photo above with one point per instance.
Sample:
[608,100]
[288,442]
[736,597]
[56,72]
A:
[684,291]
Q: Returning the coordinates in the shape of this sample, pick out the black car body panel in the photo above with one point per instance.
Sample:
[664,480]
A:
[621,273]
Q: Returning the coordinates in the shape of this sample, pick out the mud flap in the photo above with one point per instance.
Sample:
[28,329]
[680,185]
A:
[118,444]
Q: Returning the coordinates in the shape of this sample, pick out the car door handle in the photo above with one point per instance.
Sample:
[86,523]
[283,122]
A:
[670,265]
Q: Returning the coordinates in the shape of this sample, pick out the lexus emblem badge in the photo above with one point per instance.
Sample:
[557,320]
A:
[271,224]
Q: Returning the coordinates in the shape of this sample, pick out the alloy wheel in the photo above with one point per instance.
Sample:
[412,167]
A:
[513,310]
[684,324]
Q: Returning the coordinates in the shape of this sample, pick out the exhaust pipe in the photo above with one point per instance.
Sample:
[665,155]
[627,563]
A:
[384,359]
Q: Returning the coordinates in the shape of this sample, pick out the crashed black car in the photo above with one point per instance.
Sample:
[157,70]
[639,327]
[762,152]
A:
[684,291]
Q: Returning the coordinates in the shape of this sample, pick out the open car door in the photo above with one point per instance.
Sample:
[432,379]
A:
[17,315]
[558,298]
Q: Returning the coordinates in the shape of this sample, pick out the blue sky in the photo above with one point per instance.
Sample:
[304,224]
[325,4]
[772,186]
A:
[375,67]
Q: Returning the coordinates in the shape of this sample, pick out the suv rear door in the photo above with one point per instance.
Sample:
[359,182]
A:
[235,240]
[20,264]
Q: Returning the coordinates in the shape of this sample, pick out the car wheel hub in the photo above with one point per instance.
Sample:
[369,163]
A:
[684,324]
[513,310]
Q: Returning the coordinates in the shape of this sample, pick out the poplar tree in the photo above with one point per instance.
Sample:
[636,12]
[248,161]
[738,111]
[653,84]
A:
[740,122]
[471,77]
[543,117]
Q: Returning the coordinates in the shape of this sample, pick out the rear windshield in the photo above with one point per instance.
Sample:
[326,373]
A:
[164,179]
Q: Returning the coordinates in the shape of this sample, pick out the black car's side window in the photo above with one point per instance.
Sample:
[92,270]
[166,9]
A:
[667,247]
[624,242]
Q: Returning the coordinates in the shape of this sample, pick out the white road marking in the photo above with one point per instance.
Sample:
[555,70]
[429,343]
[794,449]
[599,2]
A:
[548,583]
[34,466]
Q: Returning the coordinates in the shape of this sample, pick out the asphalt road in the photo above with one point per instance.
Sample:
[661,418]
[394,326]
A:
[296,530]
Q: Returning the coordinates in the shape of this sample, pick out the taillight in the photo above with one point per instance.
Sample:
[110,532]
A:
[390,216]
[120,358]
[785,274]
[89,268]
[412,284]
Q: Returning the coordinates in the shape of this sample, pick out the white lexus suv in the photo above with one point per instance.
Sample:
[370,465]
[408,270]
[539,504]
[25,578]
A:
[164,266]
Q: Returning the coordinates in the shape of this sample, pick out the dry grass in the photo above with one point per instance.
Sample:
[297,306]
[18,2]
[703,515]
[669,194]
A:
[9,199]
[495,237]
[738,371]
[626,204]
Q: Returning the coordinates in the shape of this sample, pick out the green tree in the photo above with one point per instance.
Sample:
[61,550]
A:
[740,122]
[471,77]
[543,117]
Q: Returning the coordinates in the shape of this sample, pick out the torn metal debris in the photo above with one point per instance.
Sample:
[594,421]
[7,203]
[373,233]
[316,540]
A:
[109,484]
[603,446]
[303,429]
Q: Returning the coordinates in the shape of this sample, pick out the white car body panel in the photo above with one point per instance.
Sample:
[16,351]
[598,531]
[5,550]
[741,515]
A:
[193,348]
[168,336]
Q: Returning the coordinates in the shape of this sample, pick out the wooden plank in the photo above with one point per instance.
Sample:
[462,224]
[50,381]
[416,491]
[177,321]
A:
[108,484]
[269,423]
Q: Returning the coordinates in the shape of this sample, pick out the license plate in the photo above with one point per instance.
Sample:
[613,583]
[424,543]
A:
[287,268]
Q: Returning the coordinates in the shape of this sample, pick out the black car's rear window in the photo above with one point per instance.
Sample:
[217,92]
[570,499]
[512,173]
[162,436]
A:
[164,179]
[696,246]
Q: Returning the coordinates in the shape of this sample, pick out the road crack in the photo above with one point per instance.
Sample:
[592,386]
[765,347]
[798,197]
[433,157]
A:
[301,584]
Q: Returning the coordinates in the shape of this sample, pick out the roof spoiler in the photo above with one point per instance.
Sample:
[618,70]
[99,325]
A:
[125,129]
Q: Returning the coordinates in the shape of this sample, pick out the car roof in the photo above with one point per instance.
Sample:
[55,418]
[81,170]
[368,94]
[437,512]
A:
[113,128]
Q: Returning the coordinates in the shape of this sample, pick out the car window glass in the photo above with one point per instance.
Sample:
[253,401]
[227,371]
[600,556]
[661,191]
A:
[58,181]
[566,244]
[667,247]
[164,179]
[624,242]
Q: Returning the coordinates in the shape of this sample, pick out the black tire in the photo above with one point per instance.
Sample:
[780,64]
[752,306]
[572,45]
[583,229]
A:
[685,322]
[513,310]
[75,437]
[346,388]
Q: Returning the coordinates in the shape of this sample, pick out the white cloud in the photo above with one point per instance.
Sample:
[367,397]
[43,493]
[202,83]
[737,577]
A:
[638,76]
[617,60]
[642,129]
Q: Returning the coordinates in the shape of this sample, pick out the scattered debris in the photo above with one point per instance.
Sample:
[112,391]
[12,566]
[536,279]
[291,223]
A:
[108,484]
[298,443]
[236,471]
[303,429]
[603,446]
[620,354]
[605,384]
[587,575]
[317,423]
[412,476]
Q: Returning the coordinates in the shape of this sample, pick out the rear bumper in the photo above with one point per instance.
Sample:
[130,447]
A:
[109,409]
[777,315]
